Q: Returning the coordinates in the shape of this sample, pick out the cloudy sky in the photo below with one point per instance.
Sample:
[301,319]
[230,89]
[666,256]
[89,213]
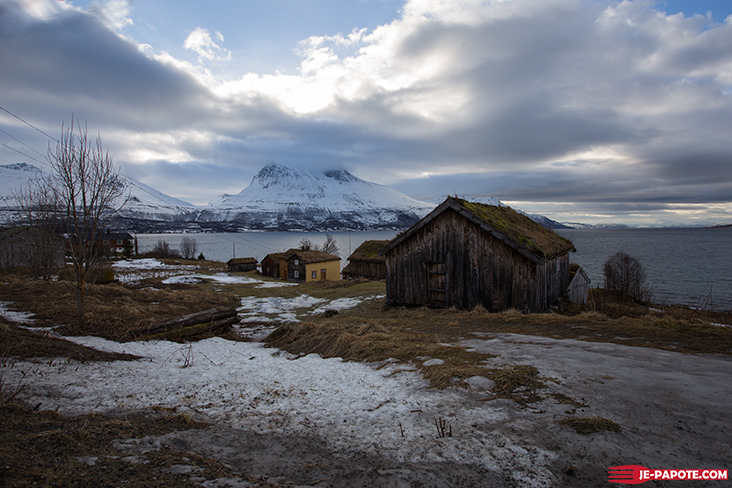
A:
[583,110]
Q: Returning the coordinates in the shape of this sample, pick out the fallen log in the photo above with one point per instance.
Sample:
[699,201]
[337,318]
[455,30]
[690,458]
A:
[190,332]
[207,316]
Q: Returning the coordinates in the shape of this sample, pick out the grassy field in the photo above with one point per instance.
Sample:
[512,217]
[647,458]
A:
[42,448]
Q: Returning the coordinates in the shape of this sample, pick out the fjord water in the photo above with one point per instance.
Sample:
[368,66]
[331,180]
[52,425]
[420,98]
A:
[686,266]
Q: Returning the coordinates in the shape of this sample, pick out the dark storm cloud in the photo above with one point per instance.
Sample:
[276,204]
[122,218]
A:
[74,64]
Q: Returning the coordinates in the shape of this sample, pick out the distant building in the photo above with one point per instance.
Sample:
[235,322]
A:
[366,262]
[271,265]
[303,266]
[114,243]
[465,254]
[242,264]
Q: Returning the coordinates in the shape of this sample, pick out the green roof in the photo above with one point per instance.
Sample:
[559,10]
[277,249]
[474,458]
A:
[507,225]
[369,251]
[532,236]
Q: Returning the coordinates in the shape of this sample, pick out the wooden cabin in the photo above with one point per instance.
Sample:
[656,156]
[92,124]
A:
[579,284]
[302,266]
[366,262]
[241,265]
[115,243]
[271,265]
[466,254]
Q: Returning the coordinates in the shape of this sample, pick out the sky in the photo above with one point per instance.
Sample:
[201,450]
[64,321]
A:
[596,111]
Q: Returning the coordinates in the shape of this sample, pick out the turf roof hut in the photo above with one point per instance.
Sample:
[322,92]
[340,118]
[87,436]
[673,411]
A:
[306,265]
[366,262]
[465,254]
[241,264]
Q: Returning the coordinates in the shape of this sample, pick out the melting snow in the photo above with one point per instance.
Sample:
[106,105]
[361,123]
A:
[351,405]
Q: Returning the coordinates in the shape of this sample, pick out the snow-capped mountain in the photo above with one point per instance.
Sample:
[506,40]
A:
[146,203]
[281,197]
[142,203]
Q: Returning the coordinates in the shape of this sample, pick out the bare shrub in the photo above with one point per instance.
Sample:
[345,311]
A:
[162,249]
[329,246]
[306,244]
[626,275]
[188,248]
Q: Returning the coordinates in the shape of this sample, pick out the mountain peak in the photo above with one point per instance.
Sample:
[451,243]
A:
[281,197]
[21,167]
[342,176]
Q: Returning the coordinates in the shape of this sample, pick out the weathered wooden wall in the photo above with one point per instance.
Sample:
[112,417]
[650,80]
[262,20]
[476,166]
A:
[368,269]
[453,262]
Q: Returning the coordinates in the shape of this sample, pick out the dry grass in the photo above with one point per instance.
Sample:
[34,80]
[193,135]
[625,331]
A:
[112,310]
[45,449]
[23,344]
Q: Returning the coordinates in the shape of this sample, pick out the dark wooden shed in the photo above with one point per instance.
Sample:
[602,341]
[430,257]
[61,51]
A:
[241,264]
[366,262]
[464,254]
[271,264]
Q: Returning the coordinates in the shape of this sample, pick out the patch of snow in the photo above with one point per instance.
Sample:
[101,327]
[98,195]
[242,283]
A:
[351,405]
[433,362]
[343,303]
[284,307]
[14,316]
[223,278]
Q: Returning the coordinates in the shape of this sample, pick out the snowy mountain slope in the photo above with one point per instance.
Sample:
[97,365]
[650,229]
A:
[12,178]
[143,202]
[285,198]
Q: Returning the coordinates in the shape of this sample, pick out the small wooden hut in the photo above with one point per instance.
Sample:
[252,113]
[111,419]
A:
[241,265]
[366,262]
[271,265]
[465,254]
[579,284]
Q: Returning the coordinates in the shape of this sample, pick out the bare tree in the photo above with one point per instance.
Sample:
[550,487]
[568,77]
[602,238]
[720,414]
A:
[626,275]
[88,192]
[329,246]
[188,248]
[42,248]
[306,244]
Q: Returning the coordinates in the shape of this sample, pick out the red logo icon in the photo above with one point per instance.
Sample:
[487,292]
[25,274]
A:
[634,474]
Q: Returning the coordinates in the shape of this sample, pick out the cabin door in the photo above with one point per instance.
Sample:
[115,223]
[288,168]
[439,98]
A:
[436,285]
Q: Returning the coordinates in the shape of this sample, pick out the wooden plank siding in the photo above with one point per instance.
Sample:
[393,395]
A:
[367,269]
[451,261]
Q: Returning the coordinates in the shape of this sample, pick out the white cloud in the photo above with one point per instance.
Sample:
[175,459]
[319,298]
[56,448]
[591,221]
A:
[201,42]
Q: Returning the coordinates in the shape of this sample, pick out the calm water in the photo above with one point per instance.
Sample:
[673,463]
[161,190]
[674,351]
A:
[683,265]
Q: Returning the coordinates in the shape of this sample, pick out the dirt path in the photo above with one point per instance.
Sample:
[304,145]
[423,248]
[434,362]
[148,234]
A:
[674,409]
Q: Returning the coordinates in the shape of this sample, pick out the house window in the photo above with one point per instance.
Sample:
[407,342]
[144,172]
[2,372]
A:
[315,275]
[296,274]
[297,262]
[119,242]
